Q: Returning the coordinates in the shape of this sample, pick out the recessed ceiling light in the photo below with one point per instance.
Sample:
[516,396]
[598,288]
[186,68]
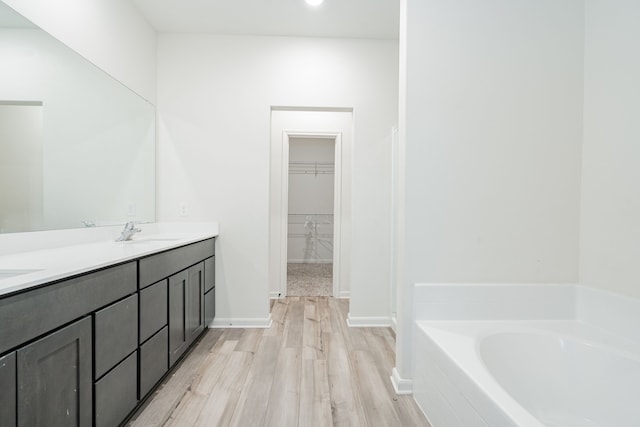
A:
[314,2]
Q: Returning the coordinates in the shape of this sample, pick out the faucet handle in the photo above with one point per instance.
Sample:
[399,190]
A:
[129,230]
[132,226]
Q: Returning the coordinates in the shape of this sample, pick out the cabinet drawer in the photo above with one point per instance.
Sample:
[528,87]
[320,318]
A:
[116,393]
[8,387]
[33,313]
[209,307]
[153,309]
[154,360]
[160,266]
[116,333]
[209,274]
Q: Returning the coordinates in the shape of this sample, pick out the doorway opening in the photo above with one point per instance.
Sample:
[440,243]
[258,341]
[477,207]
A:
[310,216]
[334,128]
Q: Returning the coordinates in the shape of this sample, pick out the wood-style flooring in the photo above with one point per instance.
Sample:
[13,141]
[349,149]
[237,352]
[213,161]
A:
[308,369]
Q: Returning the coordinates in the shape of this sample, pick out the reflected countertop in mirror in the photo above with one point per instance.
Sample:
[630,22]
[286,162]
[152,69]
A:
[77,148]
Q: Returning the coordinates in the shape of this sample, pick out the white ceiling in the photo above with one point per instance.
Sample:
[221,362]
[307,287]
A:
[378,19]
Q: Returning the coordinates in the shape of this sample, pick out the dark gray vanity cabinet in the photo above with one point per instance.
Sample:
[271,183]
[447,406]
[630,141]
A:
[54,378]
[186,309]
[87,350]
[209,290]
[8,390]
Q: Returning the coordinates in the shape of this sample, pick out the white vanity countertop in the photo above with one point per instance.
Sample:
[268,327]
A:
[46,265]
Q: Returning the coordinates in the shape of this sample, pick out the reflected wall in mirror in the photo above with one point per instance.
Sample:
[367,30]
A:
[77,148]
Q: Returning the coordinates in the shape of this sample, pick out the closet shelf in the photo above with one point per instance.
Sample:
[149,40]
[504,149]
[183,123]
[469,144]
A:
[311,168]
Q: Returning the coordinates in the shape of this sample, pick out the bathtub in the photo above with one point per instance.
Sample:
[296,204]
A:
[526,355]
[526,373]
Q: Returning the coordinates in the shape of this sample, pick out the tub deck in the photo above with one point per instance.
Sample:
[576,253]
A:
[454,386]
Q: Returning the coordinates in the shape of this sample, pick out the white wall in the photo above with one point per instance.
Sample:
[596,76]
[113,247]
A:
[610,211]
[490,128]
[110,33]
[214,97]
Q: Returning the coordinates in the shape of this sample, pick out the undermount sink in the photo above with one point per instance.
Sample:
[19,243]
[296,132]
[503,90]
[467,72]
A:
[7,274]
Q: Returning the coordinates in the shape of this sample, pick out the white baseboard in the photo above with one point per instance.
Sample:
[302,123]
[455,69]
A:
[241,323]
[401,385]
[368,322]
[394,323]
[344,295]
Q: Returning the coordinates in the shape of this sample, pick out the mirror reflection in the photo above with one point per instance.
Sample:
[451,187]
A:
[77,148]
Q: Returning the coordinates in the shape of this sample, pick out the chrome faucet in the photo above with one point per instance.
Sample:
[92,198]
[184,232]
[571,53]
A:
[129,230]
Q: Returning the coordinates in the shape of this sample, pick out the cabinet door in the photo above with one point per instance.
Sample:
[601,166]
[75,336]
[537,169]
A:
[195,302]
[209,274]
[8,390]
[54,378]
[209,307]
[178,334]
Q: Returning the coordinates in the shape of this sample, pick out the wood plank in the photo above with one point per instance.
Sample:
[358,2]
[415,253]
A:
[338,322]
[377,404]
[253,401]
[221,403]
[324,314]
[315,397]
[294,323]
[250,340]
[383,355]
[312,346]
[282,409]
[345,401]
[278,316]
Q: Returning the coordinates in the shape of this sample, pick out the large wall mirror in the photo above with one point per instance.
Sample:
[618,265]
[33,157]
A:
[77,148]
